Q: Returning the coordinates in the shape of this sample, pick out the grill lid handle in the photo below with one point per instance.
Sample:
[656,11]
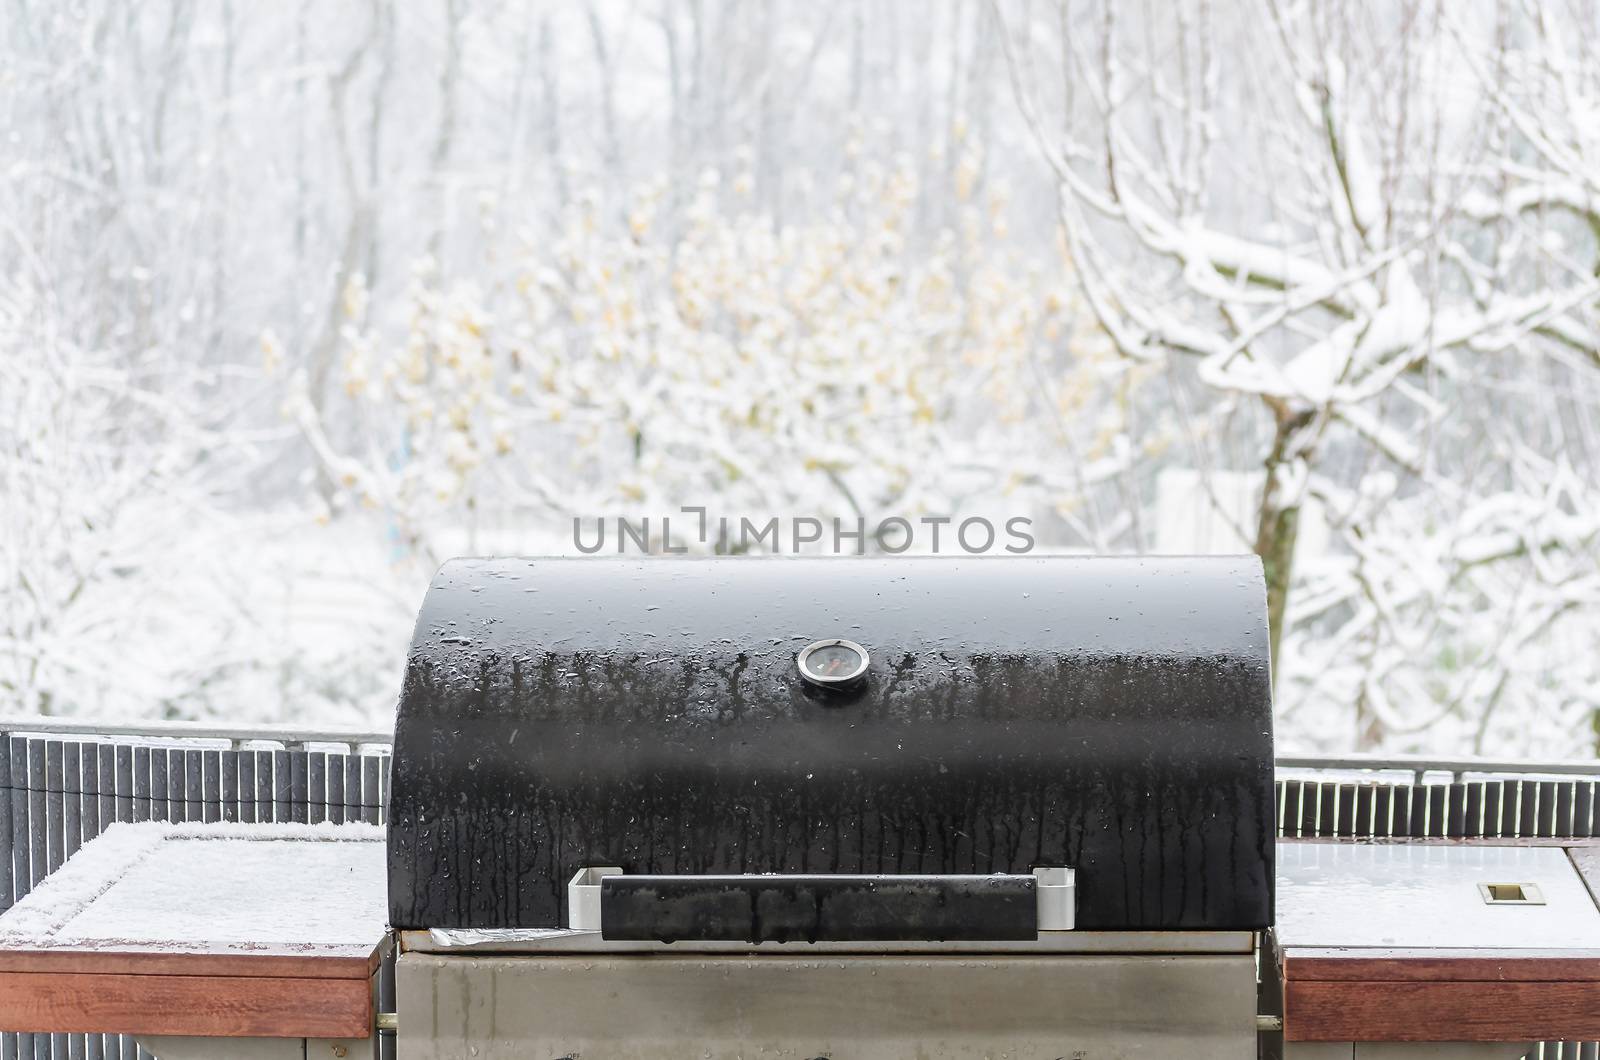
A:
[821,908]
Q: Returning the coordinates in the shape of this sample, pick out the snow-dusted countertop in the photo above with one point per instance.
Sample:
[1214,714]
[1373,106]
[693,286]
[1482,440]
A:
[1439,941]
[212,888]
[201,929]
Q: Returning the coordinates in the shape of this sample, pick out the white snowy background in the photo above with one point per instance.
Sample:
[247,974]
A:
[297,299]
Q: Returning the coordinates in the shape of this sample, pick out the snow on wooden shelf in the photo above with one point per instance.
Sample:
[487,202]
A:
[211,888]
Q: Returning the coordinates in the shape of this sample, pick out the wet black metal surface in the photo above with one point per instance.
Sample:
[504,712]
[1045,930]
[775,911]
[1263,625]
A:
[1112,715]
[825,908]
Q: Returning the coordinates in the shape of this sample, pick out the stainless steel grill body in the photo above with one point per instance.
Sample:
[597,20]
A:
[1034,818]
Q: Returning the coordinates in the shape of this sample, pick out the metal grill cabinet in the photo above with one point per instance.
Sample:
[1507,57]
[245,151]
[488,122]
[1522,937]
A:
[628,819]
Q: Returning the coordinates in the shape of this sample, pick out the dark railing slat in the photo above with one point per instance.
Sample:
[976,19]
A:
[335,764]
[89,781]
[1438,809]
[160,792]
[1455,811]
[194,785]
[316,787]
[210,786]
[141,783]
[1549,804]
[7,835]
[1566,797]
[124,781]
[247,787]
[230,785]
[372,768]
[1327,808]
[1400,802]
[177,801]
[38,816]
[1494,801]
[1583,811]
[55,805]
[299,787]
[1345,813]
[106,778]
[72,804]
[1527,808]
[1382,809]
[1474,824]
[1365,821]
[264,807]
[280,786]
[352,785]
[1424,822]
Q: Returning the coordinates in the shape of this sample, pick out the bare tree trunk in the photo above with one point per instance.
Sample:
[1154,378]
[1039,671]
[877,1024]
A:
[383,16]
[222,136]
[449,77]
[608,97]
[301,189]
[1279,525]
[550,104]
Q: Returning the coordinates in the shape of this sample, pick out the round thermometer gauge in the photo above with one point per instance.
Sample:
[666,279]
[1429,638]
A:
[833,663]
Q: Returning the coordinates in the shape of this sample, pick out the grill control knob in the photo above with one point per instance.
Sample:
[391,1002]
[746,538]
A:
[833,664]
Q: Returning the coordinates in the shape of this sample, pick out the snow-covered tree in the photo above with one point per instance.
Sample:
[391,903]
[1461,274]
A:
[842,367]
[1363,237]
[1327,267]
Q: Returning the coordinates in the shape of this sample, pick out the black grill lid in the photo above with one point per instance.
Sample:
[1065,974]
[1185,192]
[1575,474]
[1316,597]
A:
[1111,715]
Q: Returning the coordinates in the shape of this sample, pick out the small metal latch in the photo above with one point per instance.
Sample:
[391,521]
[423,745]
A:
[1511,893]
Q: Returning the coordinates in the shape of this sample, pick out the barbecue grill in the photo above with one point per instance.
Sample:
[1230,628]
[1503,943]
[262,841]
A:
[842,807]
[847,809]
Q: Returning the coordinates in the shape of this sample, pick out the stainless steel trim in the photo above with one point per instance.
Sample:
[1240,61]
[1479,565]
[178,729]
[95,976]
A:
[558,940]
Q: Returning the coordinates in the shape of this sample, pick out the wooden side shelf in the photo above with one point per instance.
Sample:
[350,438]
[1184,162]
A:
[210,1005]
[265,931]
[1381,944]
[1425,997]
